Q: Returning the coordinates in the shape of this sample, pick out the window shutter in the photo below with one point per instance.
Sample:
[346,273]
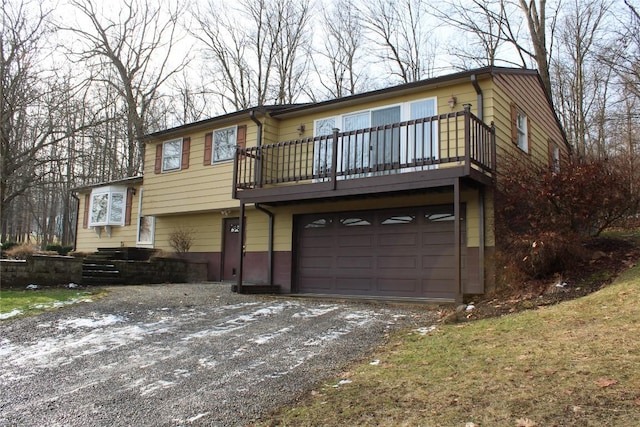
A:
[529,135]
[514,124]
[158,167]
[186,145]
[87,205]
[208,146]
[127,210]
[241,138]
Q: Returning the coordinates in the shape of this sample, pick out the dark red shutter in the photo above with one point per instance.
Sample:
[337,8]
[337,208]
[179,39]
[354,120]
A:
[514,124]
[87,205]
[128,206]
[241,138]
[186,146]
[208,146]
[158,167]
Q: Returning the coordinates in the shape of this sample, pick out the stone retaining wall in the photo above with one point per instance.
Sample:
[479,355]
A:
[43,270]
[47,270]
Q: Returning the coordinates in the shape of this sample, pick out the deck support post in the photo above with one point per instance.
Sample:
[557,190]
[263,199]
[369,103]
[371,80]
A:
[241,250]
[458,241]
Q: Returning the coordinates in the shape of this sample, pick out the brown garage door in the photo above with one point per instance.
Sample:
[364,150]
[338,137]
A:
[406,252]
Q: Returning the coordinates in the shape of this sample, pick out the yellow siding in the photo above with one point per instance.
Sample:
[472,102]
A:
[206,229]
[257,232]
[464,92]
[199,188]
[526,93]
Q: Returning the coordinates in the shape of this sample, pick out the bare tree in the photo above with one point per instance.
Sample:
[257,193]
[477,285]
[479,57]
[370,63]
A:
[402,37]
[134,53]
[484,21]
[536,19]
[581,80]
[32,113]
[339,65]
[289,28]
[263,60]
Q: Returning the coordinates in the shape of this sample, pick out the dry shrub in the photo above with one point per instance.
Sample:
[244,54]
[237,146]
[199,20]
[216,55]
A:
[543,217]
[22,251]
[181,239]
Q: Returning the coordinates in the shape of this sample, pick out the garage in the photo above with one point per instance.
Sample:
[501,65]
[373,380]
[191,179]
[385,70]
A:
[403,252]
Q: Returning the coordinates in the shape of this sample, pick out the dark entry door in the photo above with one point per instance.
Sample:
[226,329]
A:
[231,248]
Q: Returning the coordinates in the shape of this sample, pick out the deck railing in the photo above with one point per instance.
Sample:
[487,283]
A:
[454,139]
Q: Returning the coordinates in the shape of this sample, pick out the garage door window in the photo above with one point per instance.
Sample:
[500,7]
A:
[398,219]
[354,221]
[319,223]
[439,217]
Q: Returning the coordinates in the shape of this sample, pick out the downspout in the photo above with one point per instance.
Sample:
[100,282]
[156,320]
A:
[480,99]
[258,167]
[270,250]
[75,232]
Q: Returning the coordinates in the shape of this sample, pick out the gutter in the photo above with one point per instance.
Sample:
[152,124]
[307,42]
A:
[270,250]
[474,81]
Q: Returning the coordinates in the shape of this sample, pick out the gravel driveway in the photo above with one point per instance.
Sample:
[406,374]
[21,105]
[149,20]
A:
[191,354]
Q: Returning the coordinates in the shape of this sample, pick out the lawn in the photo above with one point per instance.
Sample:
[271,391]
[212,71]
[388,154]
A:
[571,364]
[26,302]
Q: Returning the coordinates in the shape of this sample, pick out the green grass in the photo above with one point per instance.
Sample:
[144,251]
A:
[27,302]
[572,364]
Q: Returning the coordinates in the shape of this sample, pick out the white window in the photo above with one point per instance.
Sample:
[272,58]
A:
[555,152]
[224,144]
[380,149]
[107,206]
[146,226]
[171,155]
[522,131]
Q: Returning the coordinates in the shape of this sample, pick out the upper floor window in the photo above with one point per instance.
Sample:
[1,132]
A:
[171,155]
[107,206]
[224,144]
[555,158]
[520,128]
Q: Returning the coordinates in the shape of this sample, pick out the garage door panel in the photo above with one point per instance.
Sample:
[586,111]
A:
[354,284]
[355,241]
[398,239]
[397,262]
[315,241]
[355,262]
[399,287]
[316,262]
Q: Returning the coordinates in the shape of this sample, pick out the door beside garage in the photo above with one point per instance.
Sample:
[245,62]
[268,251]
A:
[404,252]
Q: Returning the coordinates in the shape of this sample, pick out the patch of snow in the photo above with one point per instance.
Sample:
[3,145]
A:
[329,335]
[375,362]
[105,320]
[426,330]
[73,285]
[32,287]
[263,339]
[315,312]
[12,313]
[197,417]
[150,389]
[206,363]
[343,382]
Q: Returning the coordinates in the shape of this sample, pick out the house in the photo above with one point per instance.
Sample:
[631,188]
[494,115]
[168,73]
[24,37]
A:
[385,194]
